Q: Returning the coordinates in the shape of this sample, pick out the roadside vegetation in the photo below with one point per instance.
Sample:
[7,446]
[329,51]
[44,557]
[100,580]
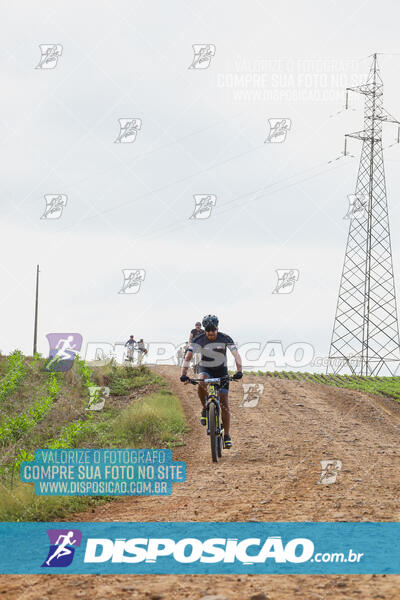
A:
[41,409]
[385,386]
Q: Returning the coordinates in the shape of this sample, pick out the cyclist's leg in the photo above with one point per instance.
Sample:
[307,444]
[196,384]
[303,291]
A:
[202,388]
[225,410]
[202,392]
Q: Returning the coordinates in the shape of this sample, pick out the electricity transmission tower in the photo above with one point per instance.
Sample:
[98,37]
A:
[365,337]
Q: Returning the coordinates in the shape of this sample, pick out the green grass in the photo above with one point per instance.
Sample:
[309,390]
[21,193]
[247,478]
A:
[20,503]
[14,427]
[13,375]
[122,380]
[384,386]
[156,420]
[140,413]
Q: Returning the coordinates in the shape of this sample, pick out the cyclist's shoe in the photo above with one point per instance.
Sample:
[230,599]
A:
[227,441]
[203,419]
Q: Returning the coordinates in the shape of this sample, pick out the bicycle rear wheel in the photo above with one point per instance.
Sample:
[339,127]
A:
[212,420]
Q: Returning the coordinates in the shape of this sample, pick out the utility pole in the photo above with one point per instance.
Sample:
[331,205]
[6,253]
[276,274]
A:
[36,312]
[365,337]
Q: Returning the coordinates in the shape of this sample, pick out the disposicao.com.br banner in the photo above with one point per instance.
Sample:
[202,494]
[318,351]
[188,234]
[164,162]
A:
[195,548]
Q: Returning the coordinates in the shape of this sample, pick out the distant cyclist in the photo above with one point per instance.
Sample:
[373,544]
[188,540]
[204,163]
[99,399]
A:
[131,342]
[196,331]
[181,353]
[212,345]
[142,351]
[141,346]
[131,345]
[196,356]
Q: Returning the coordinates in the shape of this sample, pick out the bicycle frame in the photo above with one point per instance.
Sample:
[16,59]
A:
[215,427]
[213,396]
[130,354]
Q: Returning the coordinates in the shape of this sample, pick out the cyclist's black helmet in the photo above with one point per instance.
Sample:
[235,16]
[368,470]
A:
[210,322]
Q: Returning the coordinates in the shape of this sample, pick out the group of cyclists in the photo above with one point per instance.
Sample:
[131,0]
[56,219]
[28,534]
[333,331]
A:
[131,345]
[210,345]
[206,351]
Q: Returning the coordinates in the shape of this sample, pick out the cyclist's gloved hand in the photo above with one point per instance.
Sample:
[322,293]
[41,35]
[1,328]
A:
[238,375]
[184,378]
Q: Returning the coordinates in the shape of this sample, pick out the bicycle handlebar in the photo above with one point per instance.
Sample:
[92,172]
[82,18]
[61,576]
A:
[212,380]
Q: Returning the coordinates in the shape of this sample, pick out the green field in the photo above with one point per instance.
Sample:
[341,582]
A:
[50,410]
[385,386]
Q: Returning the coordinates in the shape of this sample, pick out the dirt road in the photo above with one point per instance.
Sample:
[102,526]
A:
[271,474]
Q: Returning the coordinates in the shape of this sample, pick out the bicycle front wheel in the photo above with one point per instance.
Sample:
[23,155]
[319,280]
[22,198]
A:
[212,420]
[219,445]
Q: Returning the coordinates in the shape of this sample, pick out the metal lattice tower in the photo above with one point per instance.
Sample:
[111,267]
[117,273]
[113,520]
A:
[365,337]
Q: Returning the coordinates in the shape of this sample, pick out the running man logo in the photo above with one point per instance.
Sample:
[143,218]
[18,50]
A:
[97,397]
[357,207]
[61,551]
[286,280]
[132,280]
[63,349]
[278,129]
[203,54]
[55,203]
[128,129]
[203,205]
[50,53]
[251,394]
[330,471]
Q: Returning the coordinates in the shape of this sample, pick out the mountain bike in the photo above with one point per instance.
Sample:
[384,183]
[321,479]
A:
[215,427]
[129,356]
[141,353]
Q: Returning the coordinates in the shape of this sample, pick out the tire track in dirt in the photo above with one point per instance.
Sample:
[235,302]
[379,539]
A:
[270,474]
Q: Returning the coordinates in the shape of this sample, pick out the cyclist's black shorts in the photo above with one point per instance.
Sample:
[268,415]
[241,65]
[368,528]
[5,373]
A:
[217,373]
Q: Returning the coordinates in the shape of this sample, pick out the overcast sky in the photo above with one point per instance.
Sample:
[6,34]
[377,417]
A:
[203,131]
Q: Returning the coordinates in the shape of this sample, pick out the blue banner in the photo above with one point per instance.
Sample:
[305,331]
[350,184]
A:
[195,548]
